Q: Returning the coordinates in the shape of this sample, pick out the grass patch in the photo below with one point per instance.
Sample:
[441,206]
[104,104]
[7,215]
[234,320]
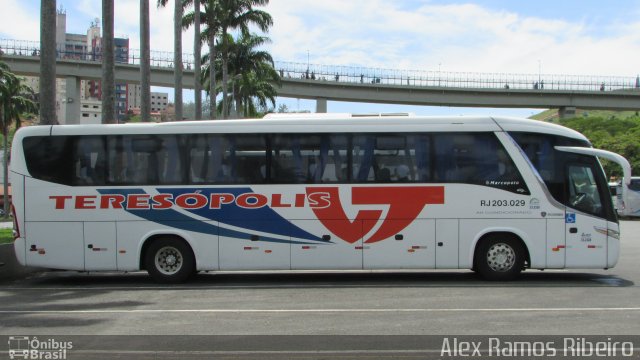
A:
[6,236]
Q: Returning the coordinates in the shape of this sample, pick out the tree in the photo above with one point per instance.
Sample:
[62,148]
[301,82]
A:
[145,63]
[177,54]
[16,98]
[254,78]
[48,62]
[238,14]
[197,66]
[619,135]
[193,18]
[5,78]
[220,16]
[108,65]
[210,32]
[210,17]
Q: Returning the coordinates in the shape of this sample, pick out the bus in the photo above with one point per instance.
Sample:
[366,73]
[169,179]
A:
[628,198]
[313,192]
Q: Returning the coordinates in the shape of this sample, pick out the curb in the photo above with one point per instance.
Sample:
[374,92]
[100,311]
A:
[11,269]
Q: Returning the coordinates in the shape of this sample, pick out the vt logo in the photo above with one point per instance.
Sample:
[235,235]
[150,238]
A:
[404,203]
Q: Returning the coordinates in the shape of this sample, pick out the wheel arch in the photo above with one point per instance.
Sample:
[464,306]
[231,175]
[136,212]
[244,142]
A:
[512,234]
[150,238]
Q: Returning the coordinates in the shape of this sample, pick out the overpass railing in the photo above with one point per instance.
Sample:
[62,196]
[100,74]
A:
[357,74]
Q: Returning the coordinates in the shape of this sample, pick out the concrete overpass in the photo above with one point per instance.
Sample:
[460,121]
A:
[325,87]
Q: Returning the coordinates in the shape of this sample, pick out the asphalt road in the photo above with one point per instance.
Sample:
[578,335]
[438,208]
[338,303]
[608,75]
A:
[381,312]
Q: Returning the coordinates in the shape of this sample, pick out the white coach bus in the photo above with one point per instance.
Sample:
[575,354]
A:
[495,195]
[628,197]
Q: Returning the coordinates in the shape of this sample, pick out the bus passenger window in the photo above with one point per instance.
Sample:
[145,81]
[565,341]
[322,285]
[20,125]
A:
[248,159]
[209,160]
[145,159]
[385,158]
[476,158]
[304,158]
[90,161]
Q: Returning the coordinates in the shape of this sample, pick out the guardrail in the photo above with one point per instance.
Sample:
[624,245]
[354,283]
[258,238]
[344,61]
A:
[356,74]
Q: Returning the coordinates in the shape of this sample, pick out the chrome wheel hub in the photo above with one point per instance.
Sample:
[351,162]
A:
[501,257]
[168,260]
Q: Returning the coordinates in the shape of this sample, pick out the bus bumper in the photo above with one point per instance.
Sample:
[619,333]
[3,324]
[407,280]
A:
[20,248]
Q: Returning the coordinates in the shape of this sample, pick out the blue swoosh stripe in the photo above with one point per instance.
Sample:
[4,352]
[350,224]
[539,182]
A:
[173,218]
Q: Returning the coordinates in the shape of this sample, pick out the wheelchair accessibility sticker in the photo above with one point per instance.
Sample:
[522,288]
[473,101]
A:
[570,218]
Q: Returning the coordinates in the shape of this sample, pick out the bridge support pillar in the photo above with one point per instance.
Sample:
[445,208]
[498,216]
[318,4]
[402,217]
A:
[321,105]
[567,112]
[71,101]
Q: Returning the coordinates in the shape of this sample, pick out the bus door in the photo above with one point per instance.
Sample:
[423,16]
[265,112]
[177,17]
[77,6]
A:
[586,229]
[586,226]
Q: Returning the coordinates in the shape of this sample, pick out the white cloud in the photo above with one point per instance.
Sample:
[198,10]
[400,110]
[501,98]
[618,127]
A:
[16,22]
[458,36]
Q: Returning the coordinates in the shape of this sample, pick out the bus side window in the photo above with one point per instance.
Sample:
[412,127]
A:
[313,159]
[421,147]
[476,158]
[170,168]
[286,160]
[363,158]
[47,158]
[90,161]
[456,162]
[386,158]
[248,160]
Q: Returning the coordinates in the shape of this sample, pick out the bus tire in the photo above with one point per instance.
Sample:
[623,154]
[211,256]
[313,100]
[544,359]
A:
[499,258]
[169,260]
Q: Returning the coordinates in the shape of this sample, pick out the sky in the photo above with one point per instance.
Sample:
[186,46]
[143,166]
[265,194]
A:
[578,37]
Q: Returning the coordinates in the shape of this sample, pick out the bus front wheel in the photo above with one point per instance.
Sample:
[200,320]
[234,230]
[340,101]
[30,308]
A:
[169,260]
[499,258]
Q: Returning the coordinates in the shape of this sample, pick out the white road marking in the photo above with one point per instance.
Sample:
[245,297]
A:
[268,311]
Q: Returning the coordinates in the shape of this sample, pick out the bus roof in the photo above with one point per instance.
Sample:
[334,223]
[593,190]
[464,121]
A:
[318,123]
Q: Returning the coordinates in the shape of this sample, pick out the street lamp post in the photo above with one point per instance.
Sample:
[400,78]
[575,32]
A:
[539,71]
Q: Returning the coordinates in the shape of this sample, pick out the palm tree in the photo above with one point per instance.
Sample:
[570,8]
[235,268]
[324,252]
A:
[145,63]
[256,88]
[210,32]
[6,76]
[48,62]
[193,18]
[197,53]
[254,78]
[16,98]
[177,54]
[238,14]
[209,78]
[108,65]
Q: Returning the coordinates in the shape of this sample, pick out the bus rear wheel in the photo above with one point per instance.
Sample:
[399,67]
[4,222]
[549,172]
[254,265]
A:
[499,258]
[169,260]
